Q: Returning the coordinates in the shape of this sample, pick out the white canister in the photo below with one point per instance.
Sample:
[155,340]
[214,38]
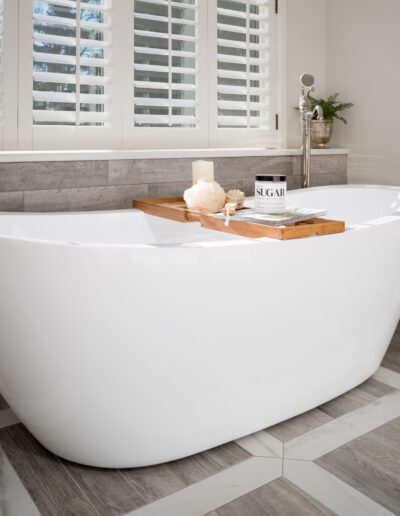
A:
[270,194]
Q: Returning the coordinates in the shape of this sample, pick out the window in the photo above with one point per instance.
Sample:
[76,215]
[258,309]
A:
[114,74]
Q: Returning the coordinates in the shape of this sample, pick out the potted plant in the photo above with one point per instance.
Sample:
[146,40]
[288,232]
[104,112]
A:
[321,130]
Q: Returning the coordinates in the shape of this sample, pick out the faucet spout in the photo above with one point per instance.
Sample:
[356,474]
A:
[318,110]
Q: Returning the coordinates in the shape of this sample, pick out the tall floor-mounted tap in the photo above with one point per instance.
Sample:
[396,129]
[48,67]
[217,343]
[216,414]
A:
[307,82]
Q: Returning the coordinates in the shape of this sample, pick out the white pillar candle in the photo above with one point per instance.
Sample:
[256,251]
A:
[202,170]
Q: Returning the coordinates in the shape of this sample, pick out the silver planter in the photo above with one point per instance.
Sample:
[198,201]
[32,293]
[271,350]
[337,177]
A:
[321,132]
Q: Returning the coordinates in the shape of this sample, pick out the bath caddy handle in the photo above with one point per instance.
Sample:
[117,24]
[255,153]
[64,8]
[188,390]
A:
[174,208]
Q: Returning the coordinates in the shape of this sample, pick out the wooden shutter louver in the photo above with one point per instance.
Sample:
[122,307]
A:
[165,64]
[71,62]
[243,68]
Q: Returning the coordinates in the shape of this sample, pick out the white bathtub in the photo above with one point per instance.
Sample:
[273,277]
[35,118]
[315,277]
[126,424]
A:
[128,340]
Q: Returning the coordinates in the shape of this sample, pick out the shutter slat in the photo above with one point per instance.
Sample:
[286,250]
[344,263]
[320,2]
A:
[156,68]
[240,90]
[71,83]
[165,120]
[68,41]
[238,44]
[69,117]
[243,64]
[240,121]
[57,21]
[238,14]
[55,96]
[233,74]
[164,19]
[174,4]
[164,35]
[238,29]
[241,106]
[70,60]
[225,58]
[70,78]
[145,101]
[164,52]
[163,85]
[73,4]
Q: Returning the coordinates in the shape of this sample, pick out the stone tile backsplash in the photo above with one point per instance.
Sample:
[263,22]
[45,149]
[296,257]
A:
[107,185]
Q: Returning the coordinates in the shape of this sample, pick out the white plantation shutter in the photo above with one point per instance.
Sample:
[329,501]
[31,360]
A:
[243,64]
[140,74]
[165,63]
[71,62]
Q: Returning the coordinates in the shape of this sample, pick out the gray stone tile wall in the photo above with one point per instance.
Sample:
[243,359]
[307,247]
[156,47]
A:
[107,185]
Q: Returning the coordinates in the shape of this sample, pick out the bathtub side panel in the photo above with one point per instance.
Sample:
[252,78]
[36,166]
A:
[129,357]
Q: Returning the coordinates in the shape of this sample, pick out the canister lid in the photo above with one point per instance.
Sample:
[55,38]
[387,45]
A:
[265,177]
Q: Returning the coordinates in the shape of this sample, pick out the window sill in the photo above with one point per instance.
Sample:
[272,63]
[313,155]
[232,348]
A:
[27,156]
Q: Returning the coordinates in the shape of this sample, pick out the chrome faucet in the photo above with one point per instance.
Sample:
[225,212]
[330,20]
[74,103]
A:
[319,112]
[307,81]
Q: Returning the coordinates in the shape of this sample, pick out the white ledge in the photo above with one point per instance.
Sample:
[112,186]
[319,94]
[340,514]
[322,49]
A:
[81,155]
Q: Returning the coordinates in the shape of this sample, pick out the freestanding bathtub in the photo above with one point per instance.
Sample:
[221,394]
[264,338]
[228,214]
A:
[128,340]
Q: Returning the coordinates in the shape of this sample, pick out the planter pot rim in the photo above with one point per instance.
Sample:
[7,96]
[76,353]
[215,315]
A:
[322,121]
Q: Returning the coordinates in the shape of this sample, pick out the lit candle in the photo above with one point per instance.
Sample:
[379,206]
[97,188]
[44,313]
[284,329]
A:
[202,170]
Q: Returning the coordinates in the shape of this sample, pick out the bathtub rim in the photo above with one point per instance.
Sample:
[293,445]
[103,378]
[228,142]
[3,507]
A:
[236,242]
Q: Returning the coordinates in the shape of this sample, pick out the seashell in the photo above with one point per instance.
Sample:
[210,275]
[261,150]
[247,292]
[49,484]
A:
[235,196]
[206,196]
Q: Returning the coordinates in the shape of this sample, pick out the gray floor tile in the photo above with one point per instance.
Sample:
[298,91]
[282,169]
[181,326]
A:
[60,487]
[47,481]
[371,464]
[3,403]
[299,425]
[362,395]
[200,466]
[392,357]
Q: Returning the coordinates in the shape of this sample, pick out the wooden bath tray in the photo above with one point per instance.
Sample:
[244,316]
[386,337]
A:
[174,208]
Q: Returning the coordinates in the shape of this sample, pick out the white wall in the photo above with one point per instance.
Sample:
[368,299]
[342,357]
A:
[306,52]
[363,63]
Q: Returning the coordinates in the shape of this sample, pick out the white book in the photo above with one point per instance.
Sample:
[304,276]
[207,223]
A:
[290,216]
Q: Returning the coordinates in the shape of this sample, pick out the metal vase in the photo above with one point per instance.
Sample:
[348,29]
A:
[321,132]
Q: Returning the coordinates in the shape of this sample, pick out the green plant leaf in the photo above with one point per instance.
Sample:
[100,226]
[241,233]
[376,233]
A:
[330,107]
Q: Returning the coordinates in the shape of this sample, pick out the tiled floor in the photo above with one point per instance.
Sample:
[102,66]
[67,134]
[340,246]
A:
[340,458]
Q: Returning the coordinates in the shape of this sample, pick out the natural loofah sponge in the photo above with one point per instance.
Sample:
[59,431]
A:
[206,196]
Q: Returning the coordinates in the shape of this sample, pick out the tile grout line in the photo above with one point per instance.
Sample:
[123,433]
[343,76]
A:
[388,377]
[261,444]
[217,490]
[332,492]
